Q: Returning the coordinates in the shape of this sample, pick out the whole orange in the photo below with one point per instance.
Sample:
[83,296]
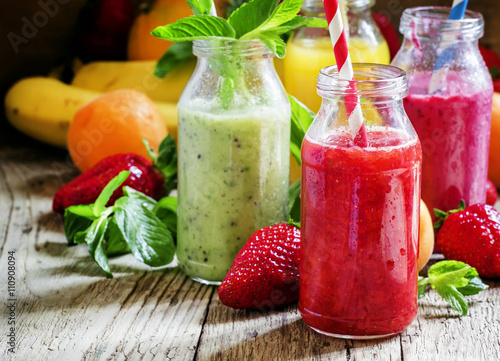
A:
[494,160]
[144,46]
[426,239]
[115,122]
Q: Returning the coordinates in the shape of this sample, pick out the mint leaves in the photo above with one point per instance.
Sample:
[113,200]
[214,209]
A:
[176,55]
[195,28]
[453,281]
[165,161]
[136,223]
[264,20]
[301,119]
[200,7]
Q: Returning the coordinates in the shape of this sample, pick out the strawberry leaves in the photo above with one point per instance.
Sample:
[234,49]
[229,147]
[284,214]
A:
[130,225]
[453,281]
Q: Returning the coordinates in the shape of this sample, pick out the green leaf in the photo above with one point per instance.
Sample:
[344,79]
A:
[146,235]
[115,242]
[454,298]
[251,15]
[195,28]
[140,197]
[166,162]
[107,192]
[294,201]
[77,219]
[474,286]
[422,286]
[453,280]
[274,42]
[300,22]
[200,7]
[166,211]
[284,13]
[444,267]
[95,242]
[301,119]
[177,55]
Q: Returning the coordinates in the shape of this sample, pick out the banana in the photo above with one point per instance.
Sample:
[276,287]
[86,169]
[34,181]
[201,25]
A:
[105,76]
[43,108]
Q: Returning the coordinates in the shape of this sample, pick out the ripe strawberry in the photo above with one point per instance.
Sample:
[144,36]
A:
[86,188]
[491,193]
[472,235]
[265,273]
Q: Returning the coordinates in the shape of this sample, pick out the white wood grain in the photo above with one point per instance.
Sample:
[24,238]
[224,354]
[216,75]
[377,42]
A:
[67,310]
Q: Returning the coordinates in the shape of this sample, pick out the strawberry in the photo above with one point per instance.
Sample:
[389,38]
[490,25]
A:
[491,193]
[86,188]
[472,235]
[265,273]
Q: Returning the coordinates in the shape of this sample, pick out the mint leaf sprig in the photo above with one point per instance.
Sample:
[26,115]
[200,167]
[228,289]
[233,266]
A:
[136,223]
[263,20]
[453,280]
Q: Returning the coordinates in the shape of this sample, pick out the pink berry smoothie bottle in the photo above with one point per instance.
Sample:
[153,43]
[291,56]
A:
[360,209]
[450,108]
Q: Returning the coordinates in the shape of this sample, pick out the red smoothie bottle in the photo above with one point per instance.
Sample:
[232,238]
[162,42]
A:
[360,210]
[449,108]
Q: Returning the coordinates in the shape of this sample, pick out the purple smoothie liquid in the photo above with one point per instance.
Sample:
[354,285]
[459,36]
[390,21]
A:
[454,129]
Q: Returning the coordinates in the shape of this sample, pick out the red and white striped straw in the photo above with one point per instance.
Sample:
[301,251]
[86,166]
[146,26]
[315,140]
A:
[344,65]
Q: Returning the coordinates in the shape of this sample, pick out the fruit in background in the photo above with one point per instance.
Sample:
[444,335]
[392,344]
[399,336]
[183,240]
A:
[389,32]
[107,76]
[426,239]
[43,108]
[494,157]
[115,122]
[491,193]
[86,188]
[472,235]
[492,60]
[141,44]
[104,26]
[265,273]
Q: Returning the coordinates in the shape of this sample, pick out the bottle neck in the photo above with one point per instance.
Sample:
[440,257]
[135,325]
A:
[231,49]
[315,8]
[374,83]
[430,23]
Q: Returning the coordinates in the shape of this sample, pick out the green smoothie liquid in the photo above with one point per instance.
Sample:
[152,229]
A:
[233,180]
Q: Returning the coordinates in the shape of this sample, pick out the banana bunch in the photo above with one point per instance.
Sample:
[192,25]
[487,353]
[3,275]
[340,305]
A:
[43,108]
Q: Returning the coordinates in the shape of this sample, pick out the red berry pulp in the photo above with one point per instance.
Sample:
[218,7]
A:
[360,224]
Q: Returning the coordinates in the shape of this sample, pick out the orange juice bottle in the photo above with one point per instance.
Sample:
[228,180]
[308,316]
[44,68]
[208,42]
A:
[310,49]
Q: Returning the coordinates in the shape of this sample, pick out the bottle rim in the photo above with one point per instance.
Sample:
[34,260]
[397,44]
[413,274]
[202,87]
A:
[370,80]
[230,47]
[355,4]
[432,22]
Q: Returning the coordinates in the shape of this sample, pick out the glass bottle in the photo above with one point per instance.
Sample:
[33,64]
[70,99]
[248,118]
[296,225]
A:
[310,49]
[234,144]
[360,209]
[451,108]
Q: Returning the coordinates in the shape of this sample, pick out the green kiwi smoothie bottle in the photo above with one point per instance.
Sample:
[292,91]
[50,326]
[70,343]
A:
[234,144]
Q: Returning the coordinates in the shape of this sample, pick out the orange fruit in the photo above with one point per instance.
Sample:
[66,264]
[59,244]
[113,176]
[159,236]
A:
[426,240]
[144,46]
[494,160]
[115,122]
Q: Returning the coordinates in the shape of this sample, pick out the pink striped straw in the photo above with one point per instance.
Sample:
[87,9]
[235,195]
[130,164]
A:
[344,65]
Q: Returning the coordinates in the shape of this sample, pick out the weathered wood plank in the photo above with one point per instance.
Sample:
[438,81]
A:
[439,334]
[66,309]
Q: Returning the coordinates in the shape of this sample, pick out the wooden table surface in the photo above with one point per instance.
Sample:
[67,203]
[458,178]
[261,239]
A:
[66,310]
